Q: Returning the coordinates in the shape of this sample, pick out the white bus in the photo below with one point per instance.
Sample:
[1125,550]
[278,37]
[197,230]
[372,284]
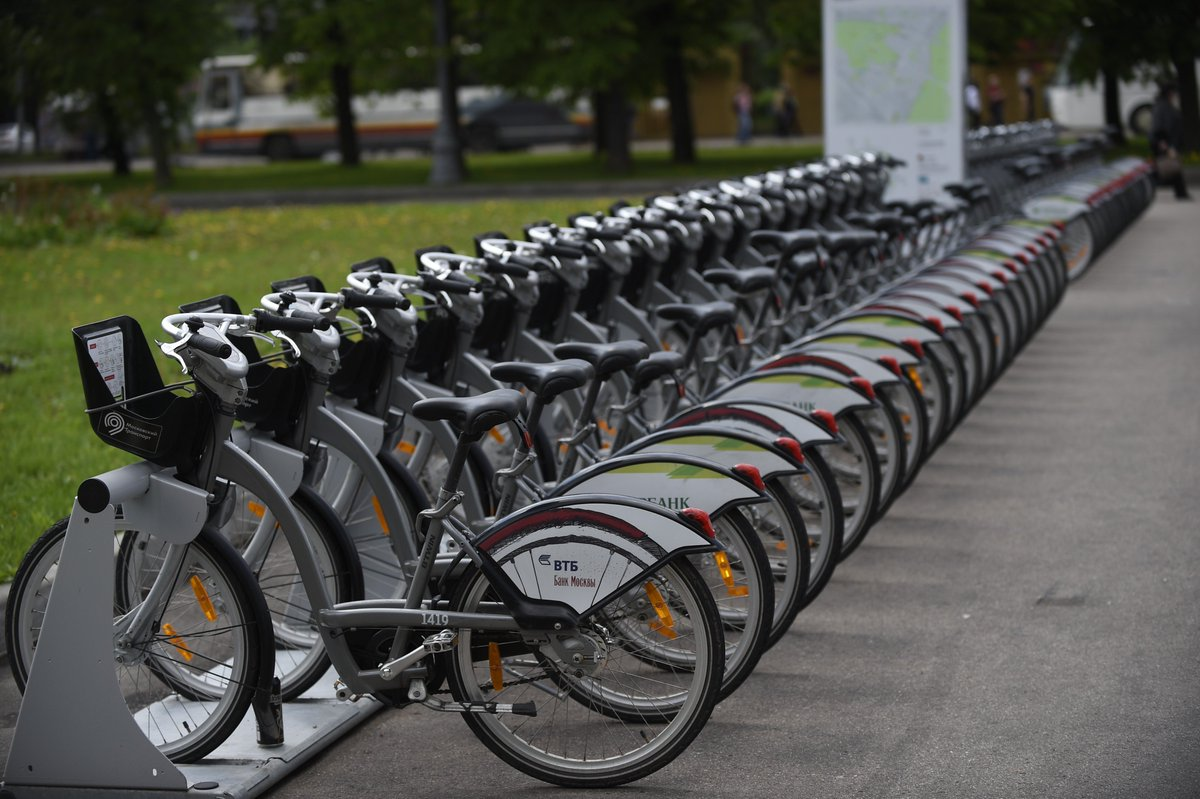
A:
[244,109]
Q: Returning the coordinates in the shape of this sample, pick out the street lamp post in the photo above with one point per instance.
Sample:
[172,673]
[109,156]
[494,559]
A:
[447,166]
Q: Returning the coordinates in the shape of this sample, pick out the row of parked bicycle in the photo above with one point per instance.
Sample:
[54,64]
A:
[571,485]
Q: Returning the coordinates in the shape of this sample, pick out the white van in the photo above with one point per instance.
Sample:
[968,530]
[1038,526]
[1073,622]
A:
[1081,105]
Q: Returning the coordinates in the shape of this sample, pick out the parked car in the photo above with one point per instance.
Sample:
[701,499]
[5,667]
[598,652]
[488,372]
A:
[512,123]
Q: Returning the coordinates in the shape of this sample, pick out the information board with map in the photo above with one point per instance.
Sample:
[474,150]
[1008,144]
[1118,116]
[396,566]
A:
[893,81]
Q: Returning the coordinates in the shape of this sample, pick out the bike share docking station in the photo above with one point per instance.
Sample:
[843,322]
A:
[75,736]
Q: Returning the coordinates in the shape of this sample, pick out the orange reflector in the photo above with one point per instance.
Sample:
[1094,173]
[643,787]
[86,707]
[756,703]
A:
[497,435]
[916,379]
[726,571]
[781,546]
[605,427]
[406,447]
[740,333]
[665,624]
[176,641]
[256,508]
[494,667]
[201,593]
[379,515]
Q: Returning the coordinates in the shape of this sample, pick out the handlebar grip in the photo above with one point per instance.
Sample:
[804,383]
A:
[565,250]
[212,346]
[360,299]
[265,320]
[605,234]
[432,283]
[497,267]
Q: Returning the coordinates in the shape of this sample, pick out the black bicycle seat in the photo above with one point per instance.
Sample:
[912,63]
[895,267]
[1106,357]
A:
[654,367]
[473,415]
[545,380]
[787,242]
[703,316]
[890,222]
[607,359]
[838,240]
[742,281]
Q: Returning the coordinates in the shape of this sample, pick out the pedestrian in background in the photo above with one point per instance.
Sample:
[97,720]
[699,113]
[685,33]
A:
[1025,82]
[1166,139]
[995,98]
[784,108]
[974,108]
[743,104]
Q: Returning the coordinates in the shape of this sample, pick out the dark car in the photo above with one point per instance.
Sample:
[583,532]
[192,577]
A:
[513,123]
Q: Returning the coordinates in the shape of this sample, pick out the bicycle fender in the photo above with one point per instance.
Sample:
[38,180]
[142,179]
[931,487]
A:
[369,429]
[284,464]
[847,363]
[723,445]
[799,389]
[331,430]
[759,417]
[871,347]
[893,327]
[673,482]
[580,551]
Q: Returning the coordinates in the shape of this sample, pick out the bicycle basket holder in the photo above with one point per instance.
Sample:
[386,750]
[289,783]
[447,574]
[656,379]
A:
[126,402]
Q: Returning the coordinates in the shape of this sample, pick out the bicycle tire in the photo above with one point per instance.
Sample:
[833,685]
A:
[300,657]
[553,752]
[151,686]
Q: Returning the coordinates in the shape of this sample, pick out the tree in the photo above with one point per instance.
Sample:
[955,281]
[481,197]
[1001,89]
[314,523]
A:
[336,49]
[620,53]
[1118,38]
[130,57]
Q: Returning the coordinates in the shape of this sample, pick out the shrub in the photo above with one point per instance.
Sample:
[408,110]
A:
[34,211]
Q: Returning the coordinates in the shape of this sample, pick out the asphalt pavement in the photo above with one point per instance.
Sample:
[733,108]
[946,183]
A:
[1025,621]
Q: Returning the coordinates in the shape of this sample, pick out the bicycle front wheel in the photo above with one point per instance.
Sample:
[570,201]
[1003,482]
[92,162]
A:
[605,723]
[189,676]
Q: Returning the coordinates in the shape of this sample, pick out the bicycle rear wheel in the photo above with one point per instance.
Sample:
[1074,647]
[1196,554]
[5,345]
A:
[189,679]
[617,721]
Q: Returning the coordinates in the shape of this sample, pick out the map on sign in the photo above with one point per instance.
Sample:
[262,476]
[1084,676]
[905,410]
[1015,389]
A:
[892,65]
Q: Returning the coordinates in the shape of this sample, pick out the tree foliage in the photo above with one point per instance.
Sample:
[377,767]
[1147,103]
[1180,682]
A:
[131,58]
[334,50]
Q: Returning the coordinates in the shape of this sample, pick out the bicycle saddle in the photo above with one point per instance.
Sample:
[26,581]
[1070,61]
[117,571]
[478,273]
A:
[608,359]
[788,242]
[545,380]
[473,415]
[742,281]
[837,240]
[654,367]
[890,222]
[703,316]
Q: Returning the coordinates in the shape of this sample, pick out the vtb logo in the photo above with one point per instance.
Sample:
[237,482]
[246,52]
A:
[559,565]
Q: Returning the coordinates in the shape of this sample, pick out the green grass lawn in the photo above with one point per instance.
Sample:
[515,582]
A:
[492,168]
[46,446]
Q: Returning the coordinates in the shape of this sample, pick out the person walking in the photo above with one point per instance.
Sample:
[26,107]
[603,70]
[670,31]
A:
[1166,139]
[1028,103]
[974,107]
[784,109]
[995,97]
[743,104]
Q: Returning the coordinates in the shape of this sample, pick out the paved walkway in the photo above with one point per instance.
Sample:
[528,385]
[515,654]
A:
[1025,622]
